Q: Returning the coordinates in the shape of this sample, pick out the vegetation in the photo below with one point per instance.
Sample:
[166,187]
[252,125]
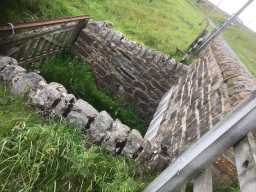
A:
[233,188]
[40,155]
[239,37]
[164,25]
[78,78]
[243,41]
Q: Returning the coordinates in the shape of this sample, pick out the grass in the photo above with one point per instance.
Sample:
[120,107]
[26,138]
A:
[243,41]
[41,155]
[232,188]
[239,37]
[163,25]
[78,78]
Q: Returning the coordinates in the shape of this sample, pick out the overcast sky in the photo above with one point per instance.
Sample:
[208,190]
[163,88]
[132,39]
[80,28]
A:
[231,6]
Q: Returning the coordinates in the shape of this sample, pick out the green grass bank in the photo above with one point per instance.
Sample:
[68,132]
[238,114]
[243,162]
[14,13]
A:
[42,155]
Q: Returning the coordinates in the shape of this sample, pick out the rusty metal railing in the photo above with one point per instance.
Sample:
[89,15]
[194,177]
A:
[31,41]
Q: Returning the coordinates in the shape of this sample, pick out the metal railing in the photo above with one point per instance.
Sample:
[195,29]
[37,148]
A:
[228,133]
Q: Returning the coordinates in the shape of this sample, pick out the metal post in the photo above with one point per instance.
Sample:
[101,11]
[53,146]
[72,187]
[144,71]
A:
[203,182]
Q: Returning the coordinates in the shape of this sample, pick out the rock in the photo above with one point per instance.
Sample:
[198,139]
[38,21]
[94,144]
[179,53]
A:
[134,144]
[100,126]
[10,71]
[146,154]
[96,25]
[4,61]
[116,138]
[81,113]
[78,120]
[22,84]
[48,97]
[65,105]
[158,162]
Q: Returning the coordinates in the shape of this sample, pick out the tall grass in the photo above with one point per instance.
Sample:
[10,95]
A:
[40,155]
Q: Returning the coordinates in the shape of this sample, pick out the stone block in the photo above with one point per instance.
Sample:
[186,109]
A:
[81,114]
[146,154]
[133,145]
[65,105]
[23,83]
[48,97]
[4,61]
[100,126]
[116,137]
[10,71]
[158,162]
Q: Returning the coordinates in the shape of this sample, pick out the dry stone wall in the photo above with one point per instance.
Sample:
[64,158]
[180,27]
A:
[129,70]
[53,100]
[194,98]
[213,86]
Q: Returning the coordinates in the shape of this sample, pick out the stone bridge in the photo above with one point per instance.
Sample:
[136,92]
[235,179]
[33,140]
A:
[190,99]
[181,102]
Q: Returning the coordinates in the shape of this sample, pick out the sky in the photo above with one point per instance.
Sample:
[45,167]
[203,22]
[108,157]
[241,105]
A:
[232,6]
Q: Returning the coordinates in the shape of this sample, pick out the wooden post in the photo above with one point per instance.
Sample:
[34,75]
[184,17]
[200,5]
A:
[82,24]
[252,142]
[203,182]
[245,156]
[183,188]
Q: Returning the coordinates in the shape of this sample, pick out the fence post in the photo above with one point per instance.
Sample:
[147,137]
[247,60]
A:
[183,188]
[203,182]
[82,24]
[245,156]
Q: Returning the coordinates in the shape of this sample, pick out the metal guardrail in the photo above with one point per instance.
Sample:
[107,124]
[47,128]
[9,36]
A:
[223,136]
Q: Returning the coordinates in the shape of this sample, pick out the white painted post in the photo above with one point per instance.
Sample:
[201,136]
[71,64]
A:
[183,188]
[203,182]
[245,156]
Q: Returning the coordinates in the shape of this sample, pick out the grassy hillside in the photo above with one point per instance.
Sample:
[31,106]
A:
[243,41]
[40,155]
[161,24]
[239,37]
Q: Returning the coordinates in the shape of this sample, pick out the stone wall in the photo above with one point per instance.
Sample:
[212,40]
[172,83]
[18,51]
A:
[129,70]
[213,86]
[53,100]
[194,98]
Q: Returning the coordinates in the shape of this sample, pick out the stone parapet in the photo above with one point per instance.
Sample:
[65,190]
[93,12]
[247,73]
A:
[135,73]
[53,100]
[215,84]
